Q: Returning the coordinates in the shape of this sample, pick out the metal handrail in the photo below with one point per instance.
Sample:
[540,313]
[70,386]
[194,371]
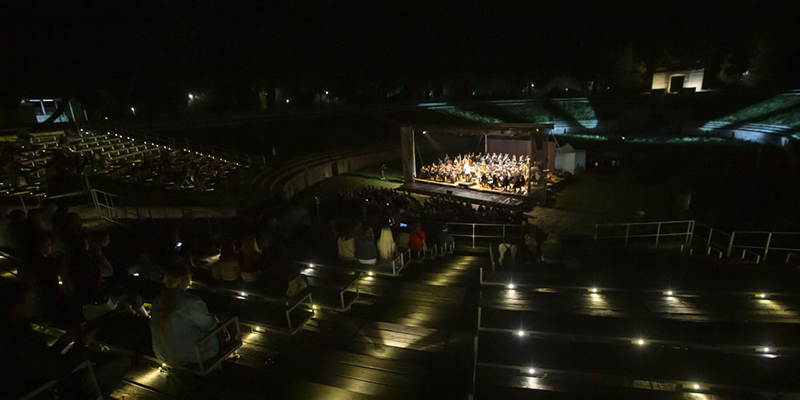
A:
[688,234]
[481,224]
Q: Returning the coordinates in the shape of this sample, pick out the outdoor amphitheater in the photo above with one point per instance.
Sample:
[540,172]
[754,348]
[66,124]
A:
[649,270]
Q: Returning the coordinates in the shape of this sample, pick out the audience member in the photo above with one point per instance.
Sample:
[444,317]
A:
[99,241]
[180,320]
[387,249]
[366,252]
[507,254]
[249,259]
[227,266]
[551,249]
[445,238]
[347,243]
[416,241]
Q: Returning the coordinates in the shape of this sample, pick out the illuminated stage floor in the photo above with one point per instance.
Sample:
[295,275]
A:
[478,196]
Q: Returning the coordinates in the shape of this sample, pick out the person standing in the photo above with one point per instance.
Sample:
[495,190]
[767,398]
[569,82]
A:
[383,172]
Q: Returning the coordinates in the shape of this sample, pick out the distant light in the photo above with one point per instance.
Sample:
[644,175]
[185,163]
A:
[640,342]
[287,100]
[531,371]
[669,292]
[313,306]
[511,286]
[594,290]
[424,132]
[763,295]
[696,386]
[191,96]
[243,294]
[766,349]
[163,365]
[106,117]
[326,92]
[520,333]
[310,265]
[135,274]
[258,329]
[623,138]
[370,273]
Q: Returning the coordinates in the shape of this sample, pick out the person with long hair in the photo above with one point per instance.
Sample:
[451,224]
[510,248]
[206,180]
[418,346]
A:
[249,259]
[366,251]
[227,266]
[387,249]
[179,320]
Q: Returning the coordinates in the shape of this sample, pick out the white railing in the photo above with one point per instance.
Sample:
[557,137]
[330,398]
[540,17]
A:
[746,245]
[657,230]
[106,205]
[761,244]
[484,231]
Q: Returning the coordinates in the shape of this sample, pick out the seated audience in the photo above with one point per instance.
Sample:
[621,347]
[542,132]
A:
[445,238]
[227,267]
[249,259]
[507,254]
[347,243]
[387,249]
[99,241]
[28,362]
[366,251]
[416,241]
[551,249]
[180,320]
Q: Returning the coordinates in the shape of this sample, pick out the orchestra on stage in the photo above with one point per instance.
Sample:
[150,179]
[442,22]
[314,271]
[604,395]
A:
[500,172]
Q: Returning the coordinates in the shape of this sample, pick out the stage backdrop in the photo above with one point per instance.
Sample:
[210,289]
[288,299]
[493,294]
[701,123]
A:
[522,147]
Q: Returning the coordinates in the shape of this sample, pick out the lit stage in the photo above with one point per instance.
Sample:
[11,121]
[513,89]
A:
[475,196]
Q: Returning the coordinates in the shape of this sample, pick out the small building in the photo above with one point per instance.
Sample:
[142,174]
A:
[676,81]
[569,159]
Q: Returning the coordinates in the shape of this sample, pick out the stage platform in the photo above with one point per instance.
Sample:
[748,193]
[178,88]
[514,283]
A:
[474,196]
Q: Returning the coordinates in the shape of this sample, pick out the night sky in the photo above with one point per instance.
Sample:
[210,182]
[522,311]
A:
[158,48]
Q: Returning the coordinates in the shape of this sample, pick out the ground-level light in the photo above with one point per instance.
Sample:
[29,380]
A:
[313,306]
[531,371]
[669,292]
[258,329]
[696,386]
[511,286]
[520,333]
[593,290]
[370,273]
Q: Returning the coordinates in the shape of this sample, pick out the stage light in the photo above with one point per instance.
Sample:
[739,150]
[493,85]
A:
[313,306]
[310,265]
[640,342]
[763,295]
[370,273]
[520,333]
[593,290]
[696,386]
[766,349]
[669,292]
[531,371]
[258,329]
[511,286]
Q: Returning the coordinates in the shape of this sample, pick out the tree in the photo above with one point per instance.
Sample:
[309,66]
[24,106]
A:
[763,69]
[629,74]
[731,70]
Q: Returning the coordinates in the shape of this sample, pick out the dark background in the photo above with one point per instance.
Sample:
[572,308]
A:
[112,55]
